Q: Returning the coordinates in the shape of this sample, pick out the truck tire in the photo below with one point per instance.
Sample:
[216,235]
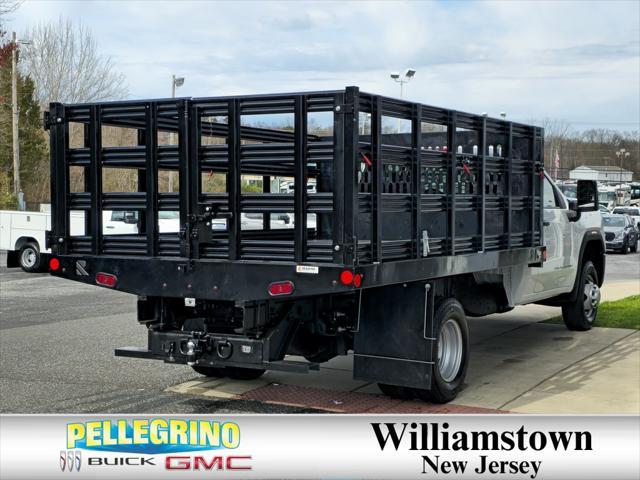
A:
[452,353]
[29,257]
[634,247]
[580,314]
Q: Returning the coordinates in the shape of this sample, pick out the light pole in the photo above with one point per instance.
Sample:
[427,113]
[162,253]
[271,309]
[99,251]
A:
[175,82]
[622,154]
[15,112]
[408,75]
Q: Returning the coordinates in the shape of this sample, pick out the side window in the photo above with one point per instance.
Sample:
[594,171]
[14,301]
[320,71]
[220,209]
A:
[548,195]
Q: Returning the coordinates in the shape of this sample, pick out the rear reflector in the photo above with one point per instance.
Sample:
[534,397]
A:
[54,264]
[106,279]
[346,277]
[281,288]
[357,280]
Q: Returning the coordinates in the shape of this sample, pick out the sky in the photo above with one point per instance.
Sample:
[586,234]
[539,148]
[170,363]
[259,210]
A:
[572,61]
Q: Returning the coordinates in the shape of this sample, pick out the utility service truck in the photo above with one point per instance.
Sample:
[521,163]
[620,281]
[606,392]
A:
[419,217]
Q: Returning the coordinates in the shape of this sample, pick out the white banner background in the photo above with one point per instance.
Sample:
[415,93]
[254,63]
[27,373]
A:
[333,446]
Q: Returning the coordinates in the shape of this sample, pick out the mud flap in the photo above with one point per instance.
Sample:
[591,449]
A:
[394,342]
[12,259]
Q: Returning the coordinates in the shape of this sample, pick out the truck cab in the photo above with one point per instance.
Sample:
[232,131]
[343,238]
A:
[568,231]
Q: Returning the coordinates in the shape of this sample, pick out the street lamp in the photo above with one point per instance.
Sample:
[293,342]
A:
[408,75]
[175,83]
[622,154]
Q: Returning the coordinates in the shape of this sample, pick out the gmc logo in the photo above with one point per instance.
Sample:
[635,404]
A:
[236,462]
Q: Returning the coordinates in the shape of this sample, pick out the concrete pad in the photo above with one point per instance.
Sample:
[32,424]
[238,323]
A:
[218,387]
[504,367]
[605,382]
[617,290]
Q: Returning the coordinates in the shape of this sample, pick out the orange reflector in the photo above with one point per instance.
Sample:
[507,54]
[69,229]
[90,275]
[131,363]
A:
[346,277]
[54,264]
[106,279]
[281,288]
[357,280]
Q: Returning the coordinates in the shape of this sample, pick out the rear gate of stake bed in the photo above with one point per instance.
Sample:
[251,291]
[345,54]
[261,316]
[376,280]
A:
[385,192]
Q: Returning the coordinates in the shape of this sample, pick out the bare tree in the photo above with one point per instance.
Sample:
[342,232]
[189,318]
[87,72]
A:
[7,7]
[64,61]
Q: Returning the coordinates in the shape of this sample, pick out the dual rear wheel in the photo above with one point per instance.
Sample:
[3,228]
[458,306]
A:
[451,358]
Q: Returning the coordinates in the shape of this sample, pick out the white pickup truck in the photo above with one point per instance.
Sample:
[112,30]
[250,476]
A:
[23,233]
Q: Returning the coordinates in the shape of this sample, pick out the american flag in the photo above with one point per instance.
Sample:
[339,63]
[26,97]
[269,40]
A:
[556,164]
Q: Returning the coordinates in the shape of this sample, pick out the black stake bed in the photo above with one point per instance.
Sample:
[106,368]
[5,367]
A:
[389,189]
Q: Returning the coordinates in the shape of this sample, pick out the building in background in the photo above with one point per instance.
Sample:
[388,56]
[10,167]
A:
[601,174]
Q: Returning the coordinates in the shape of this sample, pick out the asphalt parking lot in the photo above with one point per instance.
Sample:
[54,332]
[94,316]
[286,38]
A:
[57,340]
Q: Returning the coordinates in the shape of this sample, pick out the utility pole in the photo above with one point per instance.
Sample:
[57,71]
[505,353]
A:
[15,115]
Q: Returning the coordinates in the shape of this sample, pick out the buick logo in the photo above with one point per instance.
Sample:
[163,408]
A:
[70,460]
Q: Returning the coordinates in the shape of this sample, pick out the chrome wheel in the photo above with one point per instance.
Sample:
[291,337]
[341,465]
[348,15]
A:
[449,350]
[29,257]
[591,298]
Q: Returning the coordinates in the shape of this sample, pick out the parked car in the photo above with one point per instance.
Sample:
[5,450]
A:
[633,212]
[620,233]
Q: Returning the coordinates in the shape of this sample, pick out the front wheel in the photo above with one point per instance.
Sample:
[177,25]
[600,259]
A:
[29,257]
[580,314]
[452,353]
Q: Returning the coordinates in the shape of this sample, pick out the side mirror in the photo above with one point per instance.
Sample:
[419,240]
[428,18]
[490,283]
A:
[587,196]
[130,219]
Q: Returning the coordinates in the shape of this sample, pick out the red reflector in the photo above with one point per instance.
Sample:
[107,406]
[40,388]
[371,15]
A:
[357,280]
[346,277]
[106,279]
[54,264]
[281,288]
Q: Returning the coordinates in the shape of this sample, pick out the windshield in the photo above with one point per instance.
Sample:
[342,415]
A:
[628,211]
[606,196]
[569,191]
[613,221]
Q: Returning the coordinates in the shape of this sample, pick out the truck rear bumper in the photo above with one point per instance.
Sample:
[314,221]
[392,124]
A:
[212,351]
[243,281]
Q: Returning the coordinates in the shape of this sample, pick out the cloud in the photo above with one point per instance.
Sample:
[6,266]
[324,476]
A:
[533,59]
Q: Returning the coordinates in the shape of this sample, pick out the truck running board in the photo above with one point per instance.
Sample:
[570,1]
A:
[280,365]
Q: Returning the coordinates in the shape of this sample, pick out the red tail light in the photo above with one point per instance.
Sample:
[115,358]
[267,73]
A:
[357,280]
[106,279]
[281,288]
[346,277]
[54,264]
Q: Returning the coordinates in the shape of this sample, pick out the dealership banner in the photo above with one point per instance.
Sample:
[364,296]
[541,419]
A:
[320,446]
